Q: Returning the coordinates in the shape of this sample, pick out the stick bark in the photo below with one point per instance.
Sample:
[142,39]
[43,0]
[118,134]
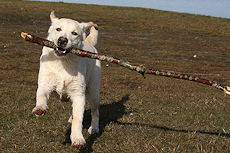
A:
[139,68]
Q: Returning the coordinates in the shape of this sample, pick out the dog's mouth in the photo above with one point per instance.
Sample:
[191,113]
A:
[61,52]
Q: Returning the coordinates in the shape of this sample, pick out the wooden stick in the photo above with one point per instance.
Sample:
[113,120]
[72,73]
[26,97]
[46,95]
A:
[139,68]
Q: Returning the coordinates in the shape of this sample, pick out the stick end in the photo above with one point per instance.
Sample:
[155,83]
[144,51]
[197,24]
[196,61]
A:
[24,34]
[227,90]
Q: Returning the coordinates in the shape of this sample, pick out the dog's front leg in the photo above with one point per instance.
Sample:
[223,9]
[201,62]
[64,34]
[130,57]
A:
[42,97]
[78,112]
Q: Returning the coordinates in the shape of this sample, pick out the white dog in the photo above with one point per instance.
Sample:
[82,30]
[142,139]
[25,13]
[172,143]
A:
[70,74]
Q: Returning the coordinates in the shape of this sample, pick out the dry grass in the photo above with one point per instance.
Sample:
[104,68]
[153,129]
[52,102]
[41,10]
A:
[155,114]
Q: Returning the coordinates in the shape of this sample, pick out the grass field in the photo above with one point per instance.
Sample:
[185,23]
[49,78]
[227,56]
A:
[155,114]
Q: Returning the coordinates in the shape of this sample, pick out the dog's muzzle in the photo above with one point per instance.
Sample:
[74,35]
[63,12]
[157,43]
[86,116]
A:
[61,43]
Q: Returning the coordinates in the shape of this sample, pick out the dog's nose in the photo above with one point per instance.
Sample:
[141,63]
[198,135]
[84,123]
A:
[62,41]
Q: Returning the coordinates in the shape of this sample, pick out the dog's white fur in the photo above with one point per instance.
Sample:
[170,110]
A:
[71,74]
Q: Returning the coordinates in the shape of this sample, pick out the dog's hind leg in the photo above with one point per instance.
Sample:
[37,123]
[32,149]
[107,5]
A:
[94,104]
[93,91]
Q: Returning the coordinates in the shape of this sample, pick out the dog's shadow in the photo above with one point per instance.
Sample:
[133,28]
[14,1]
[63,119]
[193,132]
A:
[114,111]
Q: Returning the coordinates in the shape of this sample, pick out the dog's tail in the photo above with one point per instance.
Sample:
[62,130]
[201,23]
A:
[93,35]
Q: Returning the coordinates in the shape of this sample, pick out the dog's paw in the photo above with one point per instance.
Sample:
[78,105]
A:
[38,111]
[93,130]
[78,143]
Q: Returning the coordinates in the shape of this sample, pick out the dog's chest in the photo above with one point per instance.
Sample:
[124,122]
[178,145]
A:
[69,77]
[66,75]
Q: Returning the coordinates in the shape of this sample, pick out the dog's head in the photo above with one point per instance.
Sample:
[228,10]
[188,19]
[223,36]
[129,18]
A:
[66,33]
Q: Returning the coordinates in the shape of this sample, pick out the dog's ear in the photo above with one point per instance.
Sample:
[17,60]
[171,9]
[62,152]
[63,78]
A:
[52,16]
[87,25]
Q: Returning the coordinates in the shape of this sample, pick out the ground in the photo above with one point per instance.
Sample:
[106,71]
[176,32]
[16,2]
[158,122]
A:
[152,114]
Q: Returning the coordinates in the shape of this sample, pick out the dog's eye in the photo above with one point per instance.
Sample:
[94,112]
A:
[58,29]
[74,33]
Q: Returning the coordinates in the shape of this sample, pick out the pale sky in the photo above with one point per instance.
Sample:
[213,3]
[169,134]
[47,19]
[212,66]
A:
[218,8]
